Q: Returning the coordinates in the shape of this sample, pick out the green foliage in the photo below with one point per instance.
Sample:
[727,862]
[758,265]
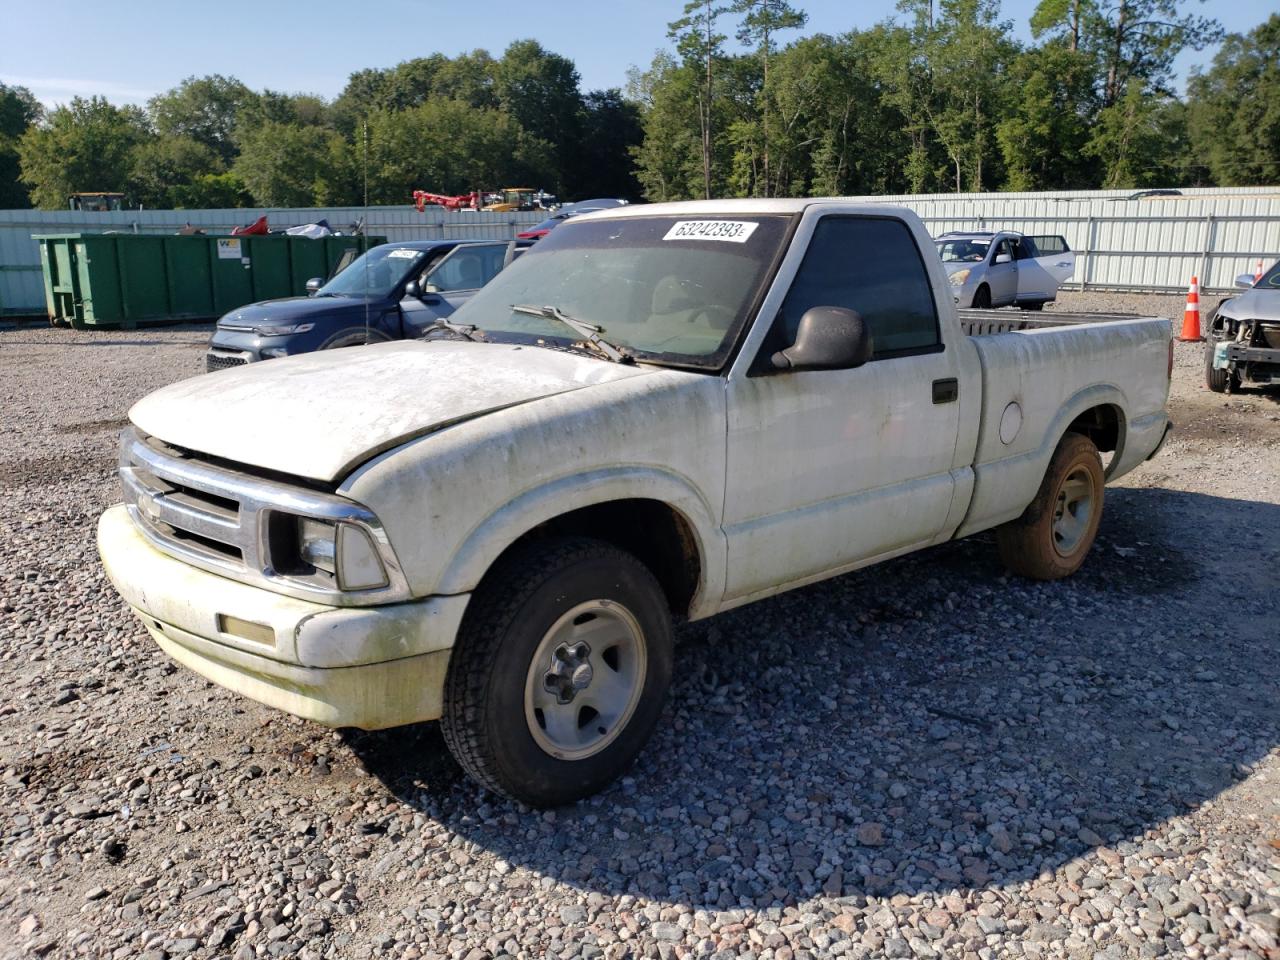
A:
[85,146]
[1046,123]
[18,111]
[164,166]
[204,109]
[285,165]
[1234,108]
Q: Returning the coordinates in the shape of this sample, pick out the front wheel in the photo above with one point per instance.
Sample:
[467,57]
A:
[982,298]
[559,671]
[1053,536]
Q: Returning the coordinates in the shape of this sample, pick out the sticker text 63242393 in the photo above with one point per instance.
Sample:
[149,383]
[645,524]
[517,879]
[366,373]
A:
[732,231]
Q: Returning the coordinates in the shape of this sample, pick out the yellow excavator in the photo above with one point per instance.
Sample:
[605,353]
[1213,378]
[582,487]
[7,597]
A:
[515,198]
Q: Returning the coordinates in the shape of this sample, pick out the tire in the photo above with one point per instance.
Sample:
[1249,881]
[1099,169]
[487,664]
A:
[519,654]
[982,298]
[1051,538]
[1215,380]
[354,338]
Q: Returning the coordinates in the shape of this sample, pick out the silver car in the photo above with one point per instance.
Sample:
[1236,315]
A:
[1005,268]
[1242,343]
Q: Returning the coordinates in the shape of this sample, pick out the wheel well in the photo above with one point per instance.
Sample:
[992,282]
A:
[656,534]
[1100,424]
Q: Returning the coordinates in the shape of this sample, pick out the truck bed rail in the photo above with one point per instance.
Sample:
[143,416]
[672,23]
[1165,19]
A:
[977,323]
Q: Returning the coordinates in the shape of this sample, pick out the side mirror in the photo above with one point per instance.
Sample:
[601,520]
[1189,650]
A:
[314,284]
[413,289]
[1002,258]
[828,338]
[1245,281]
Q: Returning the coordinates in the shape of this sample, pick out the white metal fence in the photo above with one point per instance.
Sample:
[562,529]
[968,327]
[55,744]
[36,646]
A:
[22,290]
[1154,244]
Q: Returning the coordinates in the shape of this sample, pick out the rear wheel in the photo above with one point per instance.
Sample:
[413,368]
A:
[1037,305]
[982,298]
[1053,536]
[559,672]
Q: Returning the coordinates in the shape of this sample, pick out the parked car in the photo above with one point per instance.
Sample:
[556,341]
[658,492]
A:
[1005,268]
[569,210]
[394,291]
[1242,343]
[663,412]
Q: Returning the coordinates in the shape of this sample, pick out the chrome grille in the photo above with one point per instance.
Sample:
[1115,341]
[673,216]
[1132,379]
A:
[222,520]
[220,361]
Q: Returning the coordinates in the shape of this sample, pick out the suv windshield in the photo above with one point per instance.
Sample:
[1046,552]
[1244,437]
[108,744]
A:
[673,289]
[375,274]
[962,251]
[1271,279]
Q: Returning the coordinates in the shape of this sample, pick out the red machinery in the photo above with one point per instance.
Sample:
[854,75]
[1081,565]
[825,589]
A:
[466,201]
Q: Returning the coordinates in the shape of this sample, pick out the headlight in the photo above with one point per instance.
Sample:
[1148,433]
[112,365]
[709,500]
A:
[337,550]
[959,277]
[283,331]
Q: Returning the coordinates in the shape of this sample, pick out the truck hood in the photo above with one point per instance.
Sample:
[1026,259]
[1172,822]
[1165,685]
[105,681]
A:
[296,310]
[321,414]
[1254,305]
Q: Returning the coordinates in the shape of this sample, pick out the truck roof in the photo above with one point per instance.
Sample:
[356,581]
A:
[756,205]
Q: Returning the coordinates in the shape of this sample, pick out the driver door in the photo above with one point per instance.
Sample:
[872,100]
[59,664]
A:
[830,468]
[1002,278]
[450,282]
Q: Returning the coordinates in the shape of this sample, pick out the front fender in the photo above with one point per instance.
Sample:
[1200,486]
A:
[501,528]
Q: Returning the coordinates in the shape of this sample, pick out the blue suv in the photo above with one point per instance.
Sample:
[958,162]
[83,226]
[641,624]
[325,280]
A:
[392,292]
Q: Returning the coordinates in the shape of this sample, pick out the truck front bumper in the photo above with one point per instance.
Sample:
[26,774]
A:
[367,667]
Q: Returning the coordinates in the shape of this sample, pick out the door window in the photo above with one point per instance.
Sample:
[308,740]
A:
[869,265]
[467,268]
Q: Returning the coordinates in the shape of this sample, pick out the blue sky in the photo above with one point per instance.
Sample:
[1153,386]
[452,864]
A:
[128,51]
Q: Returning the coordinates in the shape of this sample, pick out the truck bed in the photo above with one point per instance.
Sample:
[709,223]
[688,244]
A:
[978,323]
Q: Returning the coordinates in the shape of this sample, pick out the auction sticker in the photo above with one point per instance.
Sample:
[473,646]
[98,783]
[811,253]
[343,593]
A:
[403,253]
[731,231]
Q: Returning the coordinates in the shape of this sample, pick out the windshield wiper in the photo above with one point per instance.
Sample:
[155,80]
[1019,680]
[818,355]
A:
[468,331]
[589,332]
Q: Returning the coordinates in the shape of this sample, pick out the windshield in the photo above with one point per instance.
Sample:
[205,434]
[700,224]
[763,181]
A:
[1271,279]
[673,289]
[375,274]
[963,251]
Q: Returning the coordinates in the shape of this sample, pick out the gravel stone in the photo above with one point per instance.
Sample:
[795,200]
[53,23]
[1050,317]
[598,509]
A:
[927,757]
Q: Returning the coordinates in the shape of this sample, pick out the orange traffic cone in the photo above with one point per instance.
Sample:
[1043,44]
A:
[1257,274]
[1191,317]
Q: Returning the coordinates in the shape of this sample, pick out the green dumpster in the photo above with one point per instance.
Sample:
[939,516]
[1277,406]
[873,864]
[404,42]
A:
[123,279]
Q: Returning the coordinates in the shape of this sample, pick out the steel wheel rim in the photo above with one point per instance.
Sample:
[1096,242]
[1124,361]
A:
[585,680]
[1072,511]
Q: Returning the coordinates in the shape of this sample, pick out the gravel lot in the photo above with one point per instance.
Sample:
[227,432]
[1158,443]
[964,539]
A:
[923,759]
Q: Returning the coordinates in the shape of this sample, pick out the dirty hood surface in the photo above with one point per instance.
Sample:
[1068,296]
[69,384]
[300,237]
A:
[319,415]
[1254,304]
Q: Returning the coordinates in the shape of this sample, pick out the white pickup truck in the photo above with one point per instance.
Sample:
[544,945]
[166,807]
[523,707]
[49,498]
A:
[660,411]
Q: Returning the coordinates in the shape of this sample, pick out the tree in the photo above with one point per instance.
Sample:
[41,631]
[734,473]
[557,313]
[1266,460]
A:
[698,42]
[539,90]
[162,168]
[1135,140]
[471,148]
[19,109]
[1047,119]
[86,145]
[283,165]
[1234,108]
[602,165]
[204,109]
[761,22]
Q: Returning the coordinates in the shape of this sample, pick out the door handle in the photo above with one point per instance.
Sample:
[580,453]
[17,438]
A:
[946,391]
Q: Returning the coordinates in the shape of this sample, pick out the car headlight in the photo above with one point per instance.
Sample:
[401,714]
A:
[284,331]
[338,550]
[959,277]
